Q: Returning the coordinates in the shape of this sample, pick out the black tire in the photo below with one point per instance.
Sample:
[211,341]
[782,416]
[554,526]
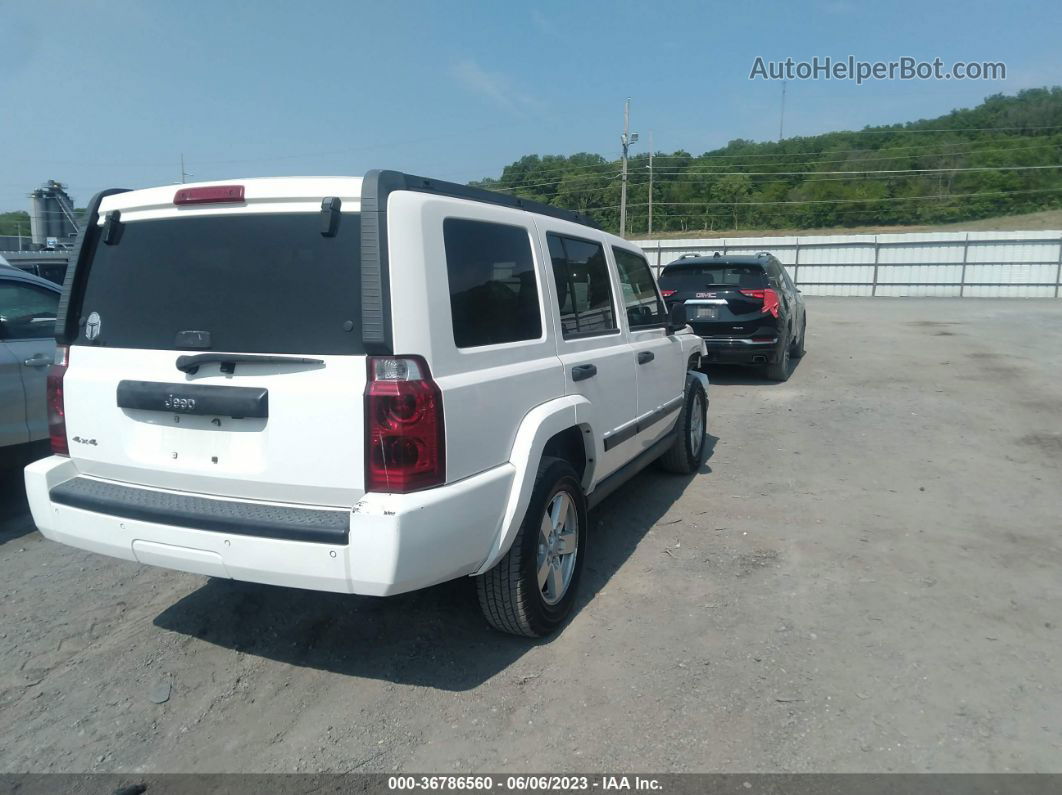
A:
[779,369]
[798,347]
[685,456]
[509,594]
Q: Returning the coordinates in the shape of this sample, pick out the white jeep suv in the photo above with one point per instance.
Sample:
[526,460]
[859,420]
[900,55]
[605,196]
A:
[358,385]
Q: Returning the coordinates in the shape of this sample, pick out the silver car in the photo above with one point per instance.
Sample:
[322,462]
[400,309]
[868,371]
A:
[27,347]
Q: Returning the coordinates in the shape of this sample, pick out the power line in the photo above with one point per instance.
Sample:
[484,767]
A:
[801,156]
[878,171]
[856,173]
[945,129]
[867,156]
[937,197]
[694,162]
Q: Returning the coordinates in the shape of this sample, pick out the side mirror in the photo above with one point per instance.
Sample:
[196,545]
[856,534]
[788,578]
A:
[676,319]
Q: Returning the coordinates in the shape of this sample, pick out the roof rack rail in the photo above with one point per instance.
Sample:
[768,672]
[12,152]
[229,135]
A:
[388,181]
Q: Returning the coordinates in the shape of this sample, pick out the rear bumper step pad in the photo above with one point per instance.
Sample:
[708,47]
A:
[203,513]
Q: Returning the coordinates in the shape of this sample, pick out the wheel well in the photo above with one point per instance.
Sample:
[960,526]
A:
[569,445]
[694,363]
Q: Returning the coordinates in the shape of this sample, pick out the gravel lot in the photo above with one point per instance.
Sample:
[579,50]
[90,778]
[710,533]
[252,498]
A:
[867,576]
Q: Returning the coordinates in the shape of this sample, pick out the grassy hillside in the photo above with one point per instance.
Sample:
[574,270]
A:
[998,159]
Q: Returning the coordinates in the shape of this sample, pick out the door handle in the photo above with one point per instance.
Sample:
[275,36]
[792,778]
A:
[40,360]
[644,357]
[583,371]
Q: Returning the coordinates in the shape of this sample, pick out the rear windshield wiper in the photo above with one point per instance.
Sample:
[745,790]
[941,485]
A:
[190,364]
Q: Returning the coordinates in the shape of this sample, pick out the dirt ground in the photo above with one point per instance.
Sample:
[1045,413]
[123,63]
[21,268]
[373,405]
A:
[866,576]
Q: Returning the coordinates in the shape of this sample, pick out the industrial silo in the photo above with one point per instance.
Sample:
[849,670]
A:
[51,215]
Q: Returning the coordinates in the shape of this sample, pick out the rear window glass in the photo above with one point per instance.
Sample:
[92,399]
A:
[257,283]
[493,294]
[714,275]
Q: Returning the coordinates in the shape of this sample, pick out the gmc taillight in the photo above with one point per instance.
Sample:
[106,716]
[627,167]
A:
[405,445]
[769,298]
[56,406]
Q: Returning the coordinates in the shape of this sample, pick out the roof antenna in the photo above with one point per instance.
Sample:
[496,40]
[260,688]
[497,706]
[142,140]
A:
[184,174]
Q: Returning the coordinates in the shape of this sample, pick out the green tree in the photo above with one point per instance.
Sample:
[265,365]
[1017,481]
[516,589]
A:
[732,189]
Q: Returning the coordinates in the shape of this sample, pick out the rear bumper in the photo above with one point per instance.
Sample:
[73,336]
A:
[740,350]
[394,542]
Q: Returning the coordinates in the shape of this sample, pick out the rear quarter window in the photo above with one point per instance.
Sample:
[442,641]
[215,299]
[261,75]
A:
[491,275]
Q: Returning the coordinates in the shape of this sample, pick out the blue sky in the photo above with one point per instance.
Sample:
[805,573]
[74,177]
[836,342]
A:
[108,93]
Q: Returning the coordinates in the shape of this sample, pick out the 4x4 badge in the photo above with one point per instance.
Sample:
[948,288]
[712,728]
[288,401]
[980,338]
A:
[92,326]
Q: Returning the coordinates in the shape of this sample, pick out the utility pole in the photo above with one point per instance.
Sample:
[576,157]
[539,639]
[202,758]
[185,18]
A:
[650,183]
[781,120]
[184,174]
[626,139]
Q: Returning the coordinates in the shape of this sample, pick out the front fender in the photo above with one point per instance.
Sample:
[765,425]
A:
[537,427]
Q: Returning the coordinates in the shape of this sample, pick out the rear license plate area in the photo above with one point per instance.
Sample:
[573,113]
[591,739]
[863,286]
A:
[704,313]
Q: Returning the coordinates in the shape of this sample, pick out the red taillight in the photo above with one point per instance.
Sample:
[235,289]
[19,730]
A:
[404,438]
[56,406]
[668,293]
[769,298]
[212,194]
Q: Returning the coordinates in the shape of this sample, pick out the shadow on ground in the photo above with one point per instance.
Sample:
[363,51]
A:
[430,638]
[15,519]
[738,375]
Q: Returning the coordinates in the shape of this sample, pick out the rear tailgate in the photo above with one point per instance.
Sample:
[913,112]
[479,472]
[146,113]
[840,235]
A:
[721,300]
[307,450]
[227,284]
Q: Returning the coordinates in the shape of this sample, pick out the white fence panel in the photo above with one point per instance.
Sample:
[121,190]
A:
[975,264]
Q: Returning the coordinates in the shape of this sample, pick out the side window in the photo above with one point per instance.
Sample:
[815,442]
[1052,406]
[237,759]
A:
[26,311]
[640,297]
[584,292]
[493,294]
[774,274]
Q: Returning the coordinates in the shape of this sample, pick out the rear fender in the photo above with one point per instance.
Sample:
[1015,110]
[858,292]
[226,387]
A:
[537,427]
[693,376]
